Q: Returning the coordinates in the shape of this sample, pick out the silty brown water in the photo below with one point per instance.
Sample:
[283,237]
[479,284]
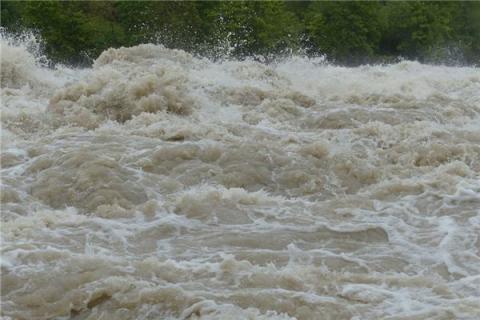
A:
[156,185]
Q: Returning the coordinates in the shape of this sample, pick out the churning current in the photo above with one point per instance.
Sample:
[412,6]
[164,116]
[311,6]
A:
[157,185]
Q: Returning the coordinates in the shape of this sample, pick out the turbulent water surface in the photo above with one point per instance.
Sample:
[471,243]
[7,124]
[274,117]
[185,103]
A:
[156,185]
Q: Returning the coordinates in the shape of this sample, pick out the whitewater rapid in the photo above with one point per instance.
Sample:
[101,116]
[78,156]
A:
[158,185]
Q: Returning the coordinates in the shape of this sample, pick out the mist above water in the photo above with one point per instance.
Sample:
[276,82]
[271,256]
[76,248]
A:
[158,185]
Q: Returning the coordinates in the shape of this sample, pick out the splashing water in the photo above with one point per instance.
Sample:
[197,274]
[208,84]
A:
[156,185]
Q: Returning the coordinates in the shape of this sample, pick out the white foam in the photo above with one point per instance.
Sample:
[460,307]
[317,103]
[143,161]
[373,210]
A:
[156,184]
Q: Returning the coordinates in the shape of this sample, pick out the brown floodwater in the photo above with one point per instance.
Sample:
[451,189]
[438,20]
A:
[157,185]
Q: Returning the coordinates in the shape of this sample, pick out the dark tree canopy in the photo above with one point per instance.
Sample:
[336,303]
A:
[348,32]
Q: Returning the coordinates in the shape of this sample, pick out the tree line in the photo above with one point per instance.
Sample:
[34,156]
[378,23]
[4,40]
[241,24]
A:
[347,32]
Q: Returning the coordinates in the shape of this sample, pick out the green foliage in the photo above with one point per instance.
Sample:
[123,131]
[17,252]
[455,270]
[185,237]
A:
[11,13]
[419,28]
[466,30]
[255,27]
[276,28]
[433,31]
[74,32]
[348,32]
[174,24]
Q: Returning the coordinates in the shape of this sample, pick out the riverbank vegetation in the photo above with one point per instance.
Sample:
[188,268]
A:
[349,33]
